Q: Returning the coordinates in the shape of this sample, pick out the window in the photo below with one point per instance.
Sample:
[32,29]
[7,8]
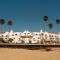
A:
[25,33]
[15,34]
[5,38]
[52,35]
[36,34]
[45,35]
[38,38]
[39,35]
[49,35]
[2,35]
[12,35]
[55,36]
[14,38]
[6,35]
[42,34]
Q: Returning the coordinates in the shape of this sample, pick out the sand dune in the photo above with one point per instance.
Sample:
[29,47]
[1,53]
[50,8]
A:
[24,54]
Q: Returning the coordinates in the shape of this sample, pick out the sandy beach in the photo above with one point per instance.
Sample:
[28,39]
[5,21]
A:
[24,54]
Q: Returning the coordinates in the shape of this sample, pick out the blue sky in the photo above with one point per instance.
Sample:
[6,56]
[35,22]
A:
[28,14]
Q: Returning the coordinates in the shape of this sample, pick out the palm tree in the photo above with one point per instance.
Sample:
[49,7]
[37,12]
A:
[45,18]
[50,25]
[2,21]
[9,24]
[57,22]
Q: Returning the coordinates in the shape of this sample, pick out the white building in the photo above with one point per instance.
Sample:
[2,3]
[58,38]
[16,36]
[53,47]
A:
[31,37]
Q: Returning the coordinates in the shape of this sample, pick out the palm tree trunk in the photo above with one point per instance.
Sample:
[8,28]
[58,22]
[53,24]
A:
[9,29]
[57,33]
[0,28]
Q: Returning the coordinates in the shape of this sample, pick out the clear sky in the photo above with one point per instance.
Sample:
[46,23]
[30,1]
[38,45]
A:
[28,14]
